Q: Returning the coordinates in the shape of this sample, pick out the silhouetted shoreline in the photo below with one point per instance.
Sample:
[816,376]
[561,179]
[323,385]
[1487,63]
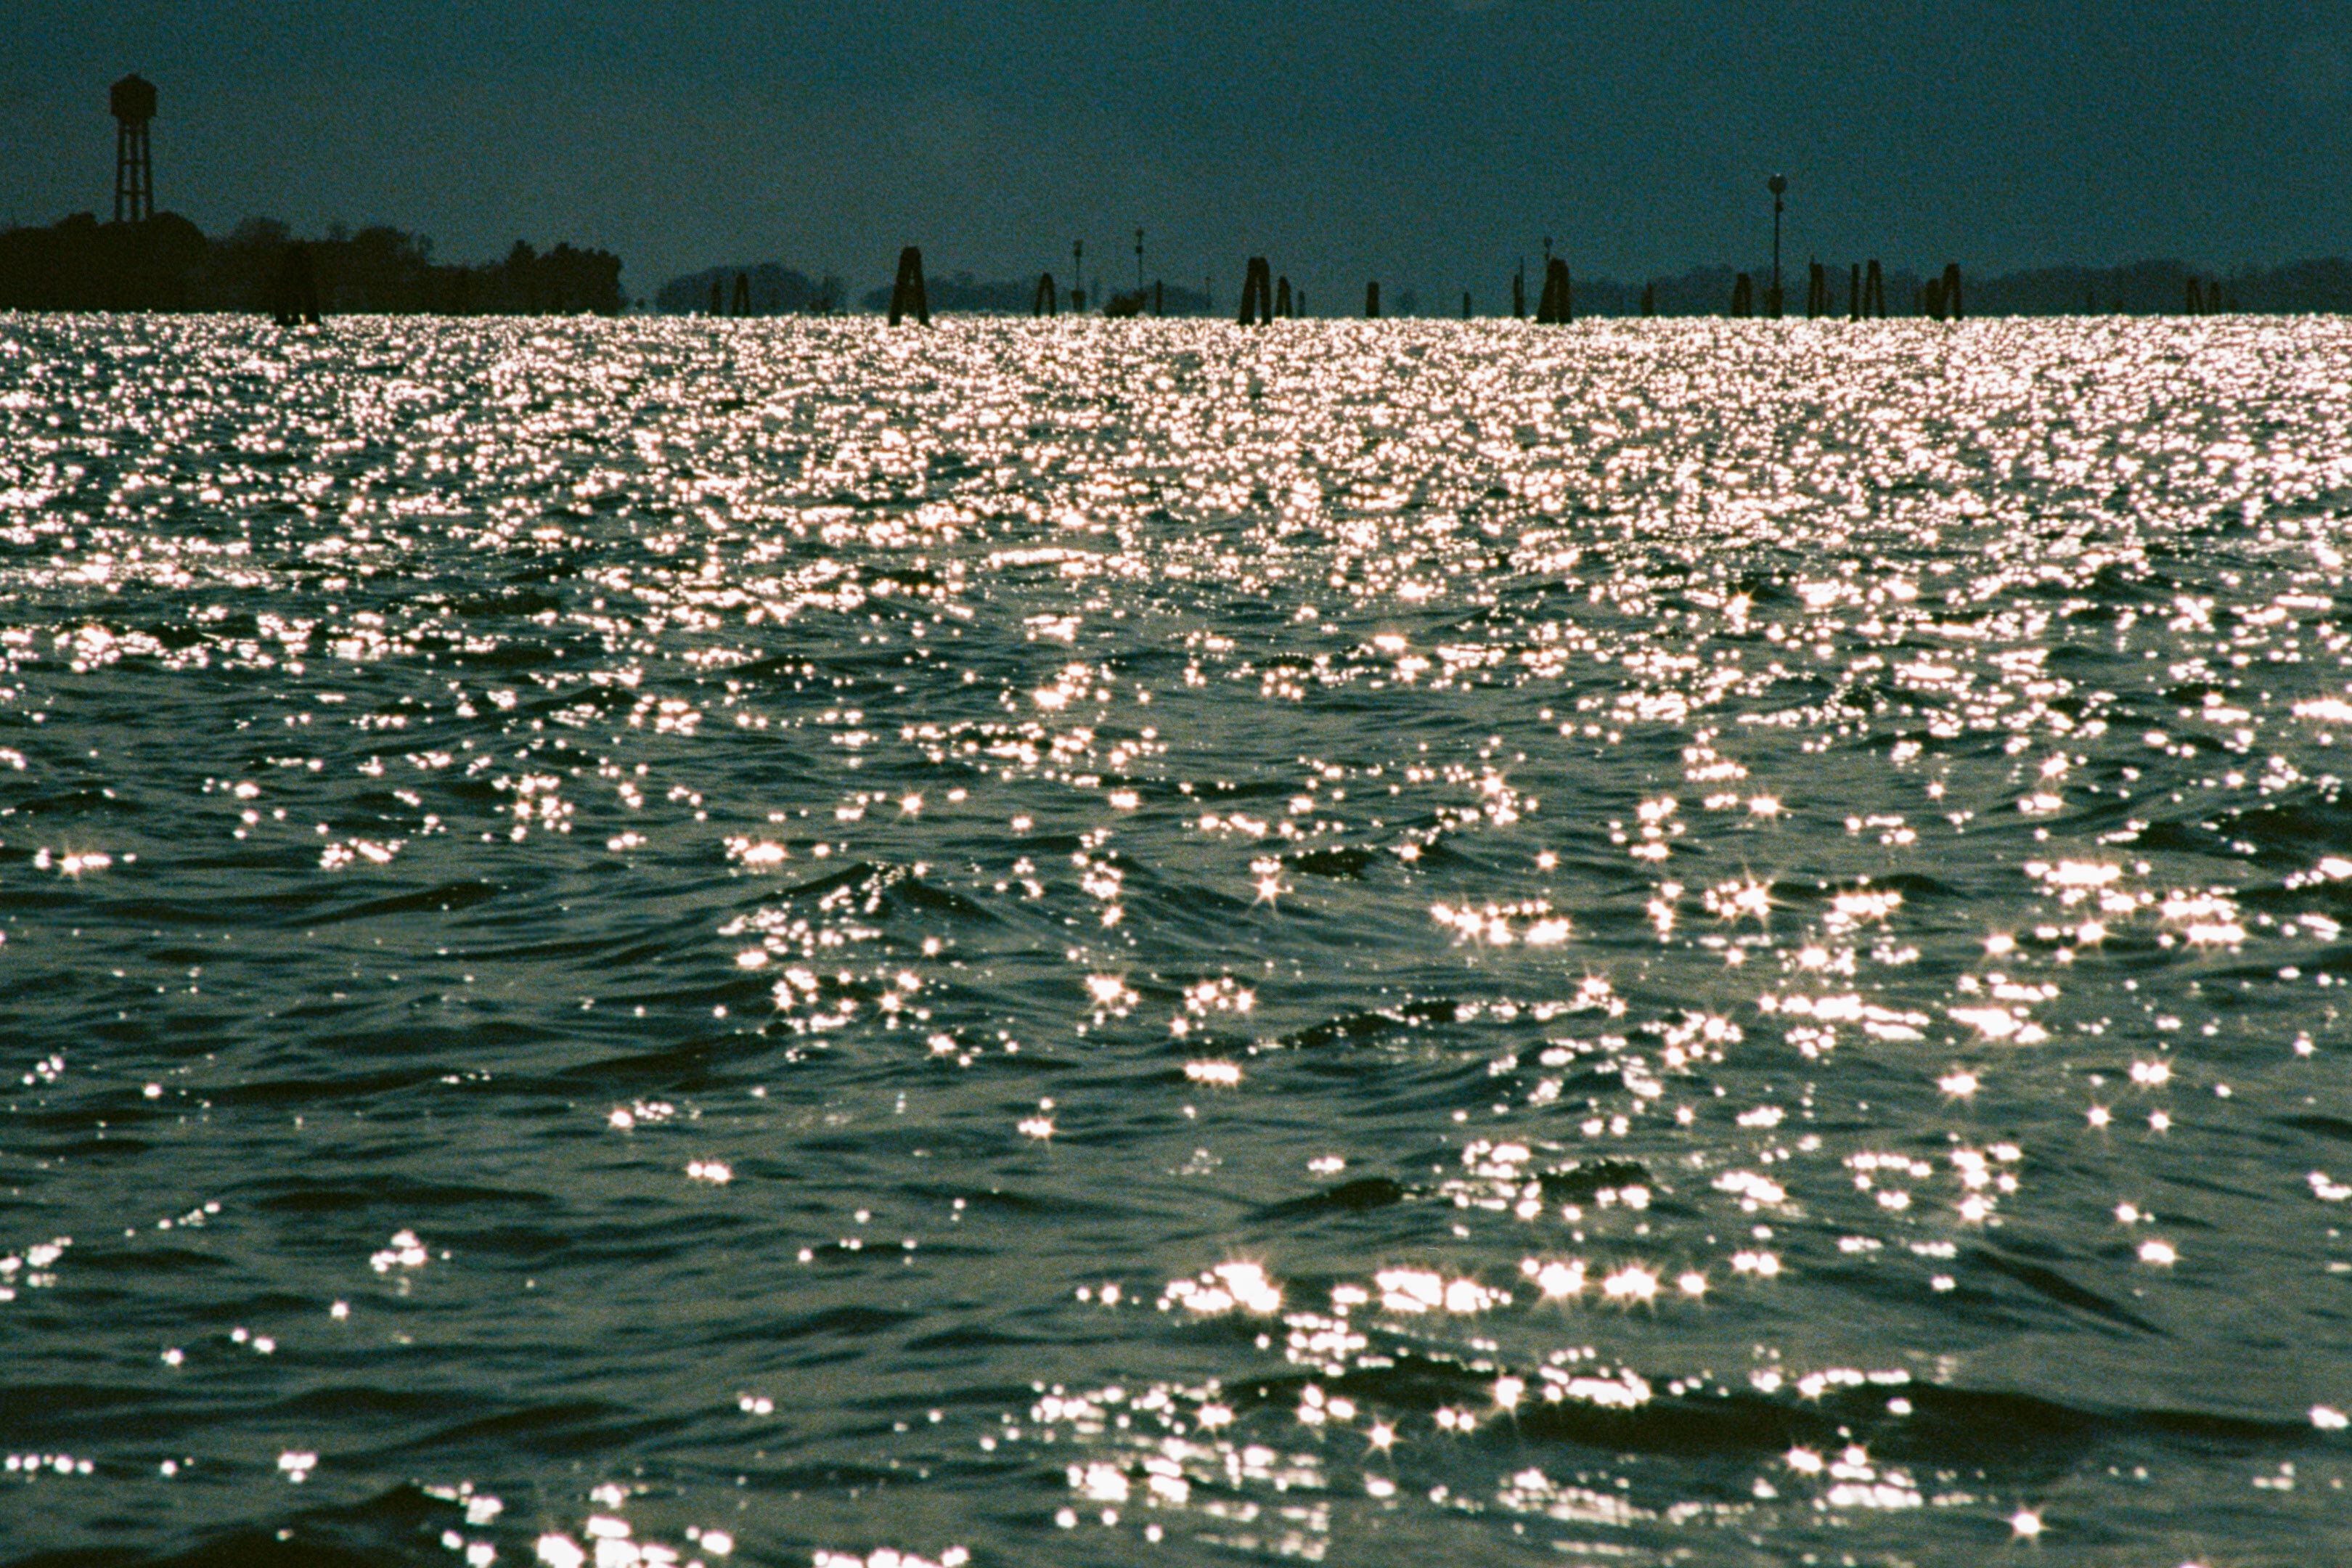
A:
[2154,288]
[166,263]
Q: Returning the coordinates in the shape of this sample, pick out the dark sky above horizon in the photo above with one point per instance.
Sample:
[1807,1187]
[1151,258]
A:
[1427,142]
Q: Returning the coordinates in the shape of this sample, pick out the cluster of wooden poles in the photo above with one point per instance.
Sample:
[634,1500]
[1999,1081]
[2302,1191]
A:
[1266,297]
[294,299]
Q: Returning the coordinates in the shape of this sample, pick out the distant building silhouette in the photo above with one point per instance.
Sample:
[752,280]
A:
[133,101]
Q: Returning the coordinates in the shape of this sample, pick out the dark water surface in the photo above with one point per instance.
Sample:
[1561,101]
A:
[1132,942]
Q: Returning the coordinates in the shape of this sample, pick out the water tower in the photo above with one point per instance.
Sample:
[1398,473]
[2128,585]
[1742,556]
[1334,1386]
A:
[133,102]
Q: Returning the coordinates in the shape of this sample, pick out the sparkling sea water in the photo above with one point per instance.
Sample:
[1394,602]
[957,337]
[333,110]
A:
[1079,943]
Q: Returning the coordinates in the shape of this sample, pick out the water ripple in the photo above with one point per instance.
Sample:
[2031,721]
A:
[649,941]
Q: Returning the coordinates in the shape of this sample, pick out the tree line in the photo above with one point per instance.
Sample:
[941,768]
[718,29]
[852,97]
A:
[166,263]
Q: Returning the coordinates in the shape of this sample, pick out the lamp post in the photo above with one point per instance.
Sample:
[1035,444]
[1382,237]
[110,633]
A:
[1778,186]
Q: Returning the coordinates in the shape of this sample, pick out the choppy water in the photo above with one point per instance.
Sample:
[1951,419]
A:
[1378,943]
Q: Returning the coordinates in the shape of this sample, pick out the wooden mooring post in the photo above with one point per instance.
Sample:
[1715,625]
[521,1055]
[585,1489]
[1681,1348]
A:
[1284,306]
[295,301]
[1556,306]
[1743,297]
[1257,294]
[1045,302]
[907,295]
[1372,301]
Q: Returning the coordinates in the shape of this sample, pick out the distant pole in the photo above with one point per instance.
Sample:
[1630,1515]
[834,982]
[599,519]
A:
[1778,186]
[1138,261]
[1079,276]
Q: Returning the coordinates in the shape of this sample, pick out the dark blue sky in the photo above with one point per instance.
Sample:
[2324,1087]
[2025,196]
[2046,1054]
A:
[1427,142]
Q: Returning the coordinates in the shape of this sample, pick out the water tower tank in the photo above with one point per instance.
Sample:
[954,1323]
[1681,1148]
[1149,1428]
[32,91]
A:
[134,100]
